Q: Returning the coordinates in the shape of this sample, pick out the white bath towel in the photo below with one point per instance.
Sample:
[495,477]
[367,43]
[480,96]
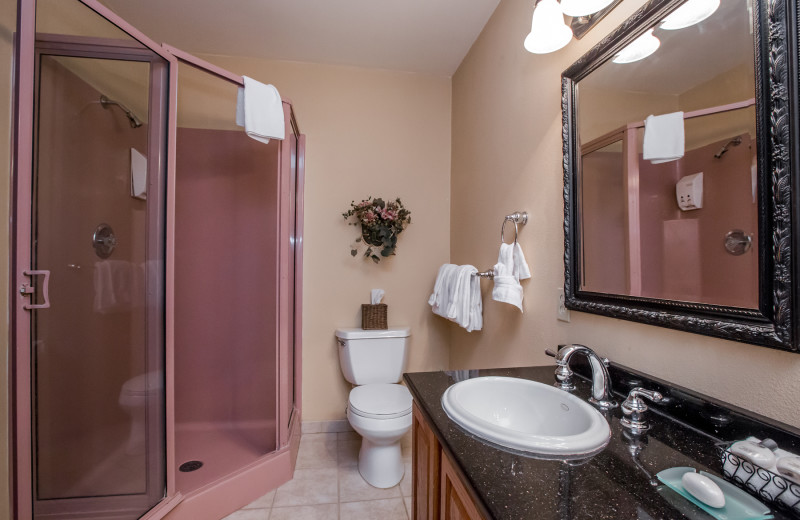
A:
[259,110]
[510,268]
[457,296]
[664,139]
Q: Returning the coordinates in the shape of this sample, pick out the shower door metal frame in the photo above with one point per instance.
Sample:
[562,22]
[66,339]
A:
[23,164]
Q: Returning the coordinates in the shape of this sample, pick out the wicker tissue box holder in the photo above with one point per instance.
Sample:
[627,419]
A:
[373,317]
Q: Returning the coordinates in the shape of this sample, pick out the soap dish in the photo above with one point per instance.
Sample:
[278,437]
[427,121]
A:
[739,505]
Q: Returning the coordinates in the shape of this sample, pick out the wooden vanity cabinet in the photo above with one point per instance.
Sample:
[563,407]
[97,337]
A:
[438,490]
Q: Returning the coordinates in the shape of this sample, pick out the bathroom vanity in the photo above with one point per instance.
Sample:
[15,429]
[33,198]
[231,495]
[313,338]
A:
[460,476]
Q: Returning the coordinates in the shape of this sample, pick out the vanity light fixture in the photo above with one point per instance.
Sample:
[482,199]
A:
[690,13]
[548,30]
[638,49]
[577,8]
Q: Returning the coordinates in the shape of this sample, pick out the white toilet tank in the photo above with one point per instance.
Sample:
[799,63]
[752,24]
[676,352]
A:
[373,356]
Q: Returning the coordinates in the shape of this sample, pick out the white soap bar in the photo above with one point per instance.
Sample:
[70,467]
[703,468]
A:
[703,489]
[789,467]
[754,453]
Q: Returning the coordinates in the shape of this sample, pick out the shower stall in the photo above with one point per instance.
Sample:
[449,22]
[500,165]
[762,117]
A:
[158,272]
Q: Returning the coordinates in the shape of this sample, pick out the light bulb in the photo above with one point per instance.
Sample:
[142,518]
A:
[577,8]
[638,49]
[548,30]
[690,13]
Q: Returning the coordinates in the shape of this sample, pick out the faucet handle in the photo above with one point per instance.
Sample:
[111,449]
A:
[637,393]
[634,407]
[563,372]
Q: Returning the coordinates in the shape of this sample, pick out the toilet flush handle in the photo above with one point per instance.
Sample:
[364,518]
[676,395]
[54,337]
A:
[340,341]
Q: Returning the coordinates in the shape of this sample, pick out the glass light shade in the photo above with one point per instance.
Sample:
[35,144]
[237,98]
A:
[548,30]
[690,13]
[583,7]
[638,49]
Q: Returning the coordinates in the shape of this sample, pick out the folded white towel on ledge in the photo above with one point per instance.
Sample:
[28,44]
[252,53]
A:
[259,109]
[664,138]
[457,296]
[510,268]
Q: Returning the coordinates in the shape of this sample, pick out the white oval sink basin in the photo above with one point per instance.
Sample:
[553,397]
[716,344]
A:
[527,416]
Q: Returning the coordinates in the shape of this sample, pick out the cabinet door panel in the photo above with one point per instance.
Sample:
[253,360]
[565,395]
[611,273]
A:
[456,503]
[427,457]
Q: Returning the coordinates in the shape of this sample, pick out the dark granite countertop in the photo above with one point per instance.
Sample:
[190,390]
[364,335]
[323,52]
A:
[615,484]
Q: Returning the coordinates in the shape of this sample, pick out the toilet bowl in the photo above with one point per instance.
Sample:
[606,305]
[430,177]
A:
[133,400]
[381,414]
[378,408]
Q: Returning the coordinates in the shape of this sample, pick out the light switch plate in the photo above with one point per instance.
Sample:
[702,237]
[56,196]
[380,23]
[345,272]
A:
[562,313]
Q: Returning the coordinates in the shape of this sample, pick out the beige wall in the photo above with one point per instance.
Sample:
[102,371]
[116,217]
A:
[7,26]
[370,132]
[507,157]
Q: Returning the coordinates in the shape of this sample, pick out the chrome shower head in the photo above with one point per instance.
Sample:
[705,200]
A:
[134,121]
[736,141]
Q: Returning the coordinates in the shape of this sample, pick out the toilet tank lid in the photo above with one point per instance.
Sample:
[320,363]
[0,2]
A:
[395,332]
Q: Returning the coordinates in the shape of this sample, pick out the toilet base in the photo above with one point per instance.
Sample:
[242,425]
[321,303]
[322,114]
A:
[381,465]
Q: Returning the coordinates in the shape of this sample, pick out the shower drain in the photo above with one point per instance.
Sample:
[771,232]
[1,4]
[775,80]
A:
[192,465]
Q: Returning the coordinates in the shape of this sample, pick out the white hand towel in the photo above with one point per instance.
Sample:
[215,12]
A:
[663,138]
[507,288]
[521,268]
[259,110]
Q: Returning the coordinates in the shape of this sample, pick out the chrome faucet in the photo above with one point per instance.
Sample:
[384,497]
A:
[601,382]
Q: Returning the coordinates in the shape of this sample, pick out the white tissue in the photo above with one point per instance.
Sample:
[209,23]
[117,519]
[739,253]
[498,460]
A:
[377,296]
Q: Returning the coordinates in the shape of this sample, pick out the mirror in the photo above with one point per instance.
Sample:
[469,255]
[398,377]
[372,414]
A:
[677,171]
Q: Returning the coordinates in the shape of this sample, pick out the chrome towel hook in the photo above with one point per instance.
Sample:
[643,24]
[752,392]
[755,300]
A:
[518,217]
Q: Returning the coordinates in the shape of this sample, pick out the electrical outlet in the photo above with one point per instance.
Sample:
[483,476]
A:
[562,313]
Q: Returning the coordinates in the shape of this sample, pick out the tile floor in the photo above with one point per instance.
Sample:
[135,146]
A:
[328,486]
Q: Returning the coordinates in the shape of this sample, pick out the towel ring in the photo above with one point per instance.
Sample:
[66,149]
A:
[503,228]
[519,217]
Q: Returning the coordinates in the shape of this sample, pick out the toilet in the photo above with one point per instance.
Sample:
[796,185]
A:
[133,400]
[378,408]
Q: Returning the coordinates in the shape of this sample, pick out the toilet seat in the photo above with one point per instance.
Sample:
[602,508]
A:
[380,401]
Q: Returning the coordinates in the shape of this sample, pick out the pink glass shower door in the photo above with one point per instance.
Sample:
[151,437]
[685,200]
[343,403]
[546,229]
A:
[97,230]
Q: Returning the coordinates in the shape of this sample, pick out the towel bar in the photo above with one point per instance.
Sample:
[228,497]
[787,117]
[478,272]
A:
[485,274]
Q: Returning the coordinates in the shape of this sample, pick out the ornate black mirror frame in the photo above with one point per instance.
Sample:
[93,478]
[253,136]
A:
[774,324]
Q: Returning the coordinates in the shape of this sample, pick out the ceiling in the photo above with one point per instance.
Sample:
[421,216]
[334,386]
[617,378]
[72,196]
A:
[423,36]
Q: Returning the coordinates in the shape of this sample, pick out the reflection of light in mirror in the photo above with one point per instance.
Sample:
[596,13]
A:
[548,30]
[583,7]
[690,13]
[638,49]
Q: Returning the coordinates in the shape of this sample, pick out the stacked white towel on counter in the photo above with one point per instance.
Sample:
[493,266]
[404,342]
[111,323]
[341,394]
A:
[457,296]
[511,267]
[664,138]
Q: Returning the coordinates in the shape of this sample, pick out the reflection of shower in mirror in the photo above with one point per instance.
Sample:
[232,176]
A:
[736,141]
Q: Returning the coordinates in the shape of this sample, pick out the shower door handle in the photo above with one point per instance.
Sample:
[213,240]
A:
[28,289]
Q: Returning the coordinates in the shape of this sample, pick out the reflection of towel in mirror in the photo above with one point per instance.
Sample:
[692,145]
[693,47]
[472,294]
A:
[663,138]
[457,296]
[115,283]
[511,267]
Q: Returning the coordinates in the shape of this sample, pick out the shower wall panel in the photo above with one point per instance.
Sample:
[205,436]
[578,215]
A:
[226,276]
